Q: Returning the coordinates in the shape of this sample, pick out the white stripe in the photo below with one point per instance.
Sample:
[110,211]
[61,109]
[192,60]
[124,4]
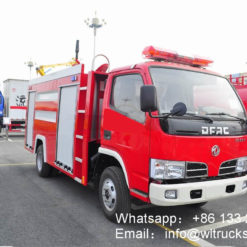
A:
[81,111]
[77,180]
[16,141]
[78,159]
[49,116]
[43,139]
[214,226]
[79,137]
[205,243]
[47,96]
[83,88]
[118,158]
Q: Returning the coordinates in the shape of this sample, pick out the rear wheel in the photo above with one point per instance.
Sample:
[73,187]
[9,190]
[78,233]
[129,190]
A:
[114,195]
[43,169]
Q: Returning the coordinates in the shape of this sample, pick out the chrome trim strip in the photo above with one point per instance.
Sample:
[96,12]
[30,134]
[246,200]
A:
[143,194]
[222,168]
[69,85]
[193,170]
[200,169]
[81,111]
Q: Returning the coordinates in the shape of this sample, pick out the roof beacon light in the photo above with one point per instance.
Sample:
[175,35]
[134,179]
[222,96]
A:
[170,56]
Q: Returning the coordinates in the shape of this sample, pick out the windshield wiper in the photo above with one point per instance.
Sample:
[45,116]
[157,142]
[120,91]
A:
[210,120]
[227,114]
[166,115]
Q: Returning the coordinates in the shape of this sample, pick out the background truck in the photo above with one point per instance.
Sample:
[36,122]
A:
[1,110]
[239,81]
[15,94]
[166,131]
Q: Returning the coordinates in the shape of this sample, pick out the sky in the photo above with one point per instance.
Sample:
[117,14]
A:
[46,32]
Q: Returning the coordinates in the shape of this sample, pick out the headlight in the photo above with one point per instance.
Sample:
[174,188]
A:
[166,169]
[241,164]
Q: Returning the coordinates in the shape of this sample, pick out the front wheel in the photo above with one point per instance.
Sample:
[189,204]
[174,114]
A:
[43,169]
[114,195]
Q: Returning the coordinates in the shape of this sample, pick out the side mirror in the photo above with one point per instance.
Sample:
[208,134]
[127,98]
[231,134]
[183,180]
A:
[148,98]
[179,109]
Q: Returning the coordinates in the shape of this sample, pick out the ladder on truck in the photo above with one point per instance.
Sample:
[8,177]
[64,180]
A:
[91,92]
[80,135]
[238,80]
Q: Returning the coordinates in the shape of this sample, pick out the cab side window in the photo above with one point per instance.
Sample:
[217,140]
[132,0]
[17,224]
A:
[125,96]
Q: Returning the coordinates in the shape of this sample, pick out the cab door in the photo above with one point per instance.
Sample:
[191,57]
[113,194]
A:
[126,129]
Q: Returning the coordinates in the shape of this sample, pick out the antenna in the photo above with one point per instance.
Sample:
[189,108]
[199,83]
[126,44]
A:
[76,49]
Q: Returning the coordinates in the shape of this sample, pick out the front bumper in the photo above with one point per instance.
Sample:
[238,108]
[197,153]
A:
[211,190]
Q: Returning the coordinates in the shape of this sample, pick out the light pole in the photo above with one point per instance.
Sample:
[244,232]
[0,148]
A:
[95,23]
[30,64]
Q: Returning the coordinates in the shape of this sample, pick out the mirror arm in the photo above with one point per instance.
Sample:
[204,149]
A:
[152,116]
[159,116]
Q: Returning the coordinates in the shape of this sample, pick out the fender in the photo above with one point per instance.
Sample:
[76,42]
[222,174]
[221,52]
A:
[117,156]
[42,138]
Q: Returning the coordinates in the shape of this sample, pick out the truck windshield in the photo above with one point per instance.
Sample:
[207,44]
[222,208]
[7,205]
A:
[203,94]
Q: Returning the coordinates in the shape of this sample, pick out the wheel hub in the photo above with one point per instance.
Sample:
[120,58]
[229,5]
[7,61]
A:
[109,194]
[39,161]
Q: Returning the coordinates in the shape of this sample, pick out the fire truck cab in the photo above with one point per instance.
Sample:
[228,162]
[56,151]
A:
[166,131]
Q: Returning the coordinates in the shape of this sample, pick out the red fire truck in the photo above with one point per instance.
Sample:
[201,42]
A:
[166,131]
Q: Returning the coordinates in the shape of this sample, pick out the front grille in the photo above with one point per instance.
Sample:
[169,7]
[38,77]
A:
[228,167]
[195,169]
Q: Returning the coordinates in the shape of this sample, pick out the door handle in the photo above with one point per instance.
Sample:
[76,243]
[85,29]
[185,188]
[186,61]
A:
[107,134]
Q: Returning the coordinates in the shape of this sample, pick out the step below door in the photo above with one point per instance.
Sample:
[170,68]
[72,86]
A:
[66,126]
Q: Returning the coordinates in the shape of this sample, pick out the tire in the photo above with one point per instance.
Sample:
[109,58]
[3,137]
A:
[197,205]
[114,194]
[44,170]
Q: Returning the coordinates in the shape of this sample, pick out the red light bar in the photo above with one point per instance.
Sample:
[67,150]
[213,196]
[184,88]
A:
[170,56]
